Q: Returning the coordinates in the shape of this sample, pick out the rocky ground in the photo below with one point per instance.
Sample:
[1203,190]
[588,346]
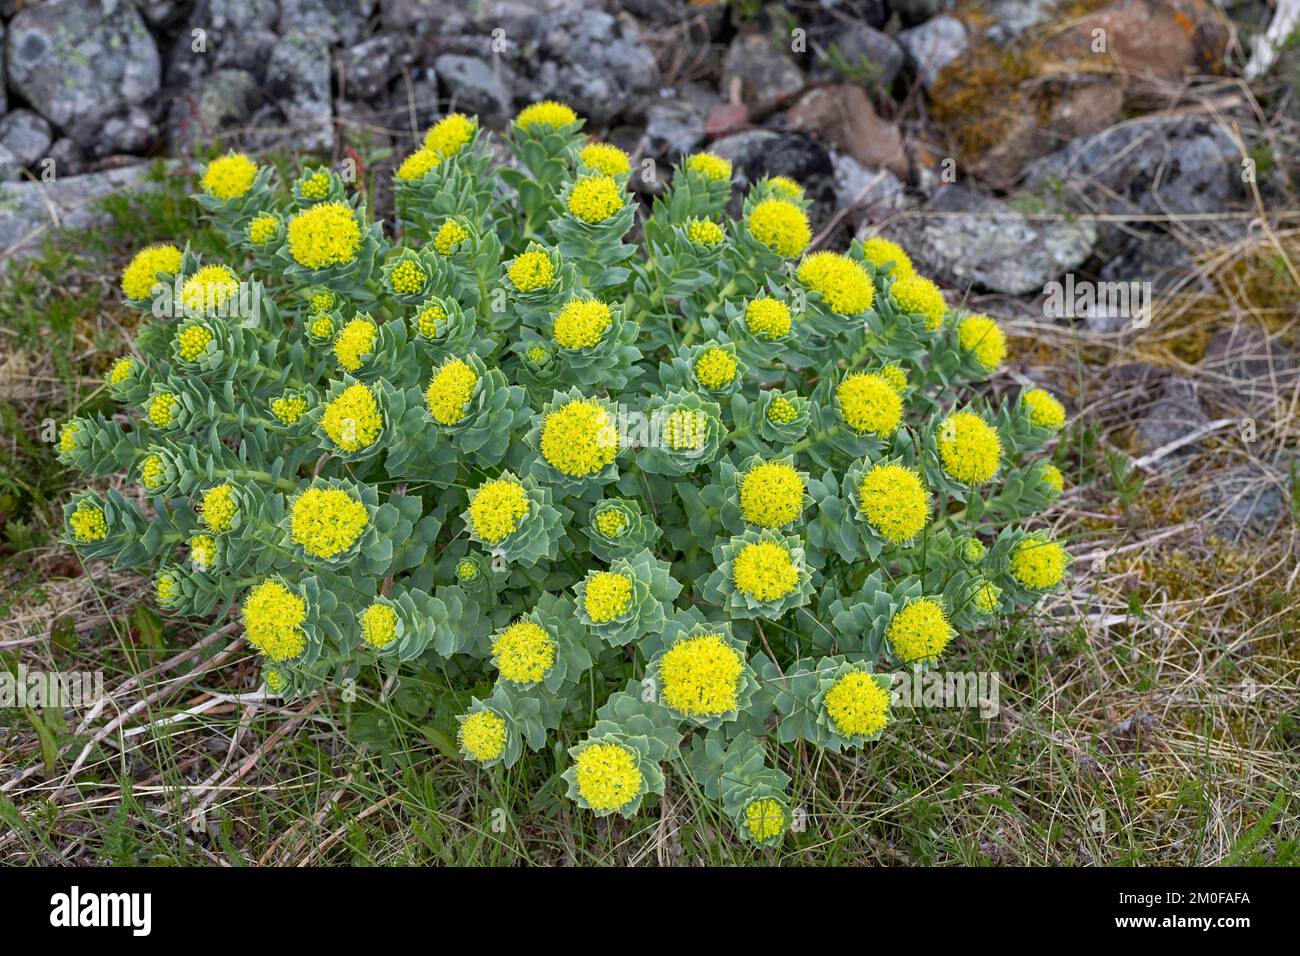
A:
[1008,144]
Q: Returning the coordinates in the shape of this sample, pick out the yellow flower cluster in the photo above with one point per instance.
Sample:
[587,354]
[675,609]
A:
[579,438]
[352,421]
[1044,410]
[970,448]
[607,775]
[417,165]
[450,391]
[379,625]
[229,177]
[595,199]
[843,284]
[919,296]
[316,186]
[881,252]
[218,508]
[685,429]
[288,409]
[857,705]
[771,495]
[870,404]
[482,735]
[151,472]
[606,159]
[192,342]
[715,368]
[531,271]
[450,135]
[781,411]
[768,318]
[611,523]
[325,522]
[700,676]
[497,508]
[893,499]
[765,571]
[324,235]
[1038,563]
[983,338]
[765,819]
[710,166]
[355,341]
[428,320]
[780,225]
[162,409]
[523,653]
[608,596]
[450,235]
[546,113]
[920,631]
[407,277]
[581,323]
[209,289]
[273,618]
[141,273]
[88,523]
[262,229]
[704,232]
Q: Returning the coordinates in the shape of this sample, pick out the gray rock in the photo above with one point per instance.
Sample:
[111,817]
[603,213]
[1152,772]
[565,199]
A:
[24,139]
[876,192]
[933,45]
[74,62]
[370,65]
[1176,412]
[334,21]
[28,210]
[963,238]
[472,85]
[1013,17]
[677,125]
[4,96]
[1157,258]
[131,131]
[1257,369]
[767,76]
[1245,498]
[760,152]
[223,101]
[298,82]
[223,34]
[66,158]
[161,14]
[445,17]
[858,53]
[915,11]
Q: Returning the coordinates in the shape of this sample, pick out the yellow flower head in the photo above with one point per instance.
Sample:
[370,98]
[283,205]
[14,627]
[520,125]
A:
[765,571]
[715,368]
[546,113]
[417,164]
[896,377]
[595,198]
[970,448]
[316,186]
[482,735]
[880,252]
[122,369]
[843,284]
[781,411]
[685,429]
[229,177]
[918,295]
[450,135]
[162,409]
[352,421]
[605,158]
[869,404]
[209,289]
[1051,476]
[704,232]
[710,166]
[287,409]
[983,338]
[152,472]
[780,225]
[68,437]
[450,391]
[379,625]
[523,652]
[192,342]
[1038,563]
[701,676]
[771,495]
[581,323]
[218,508]
[920,631]
[321,327]
[324,235]
[608,596]
[1044,410]
[355,341]
[428,320]
[262,229]
[88,523]
[275,682]
[407,277]
[857,705]
[611,523]
[325,522]
[497,508]
[141,273]
[607,776]
[450,235]
[467,569]
[273,617]
[203,552]
[531,271]
[579,438]
[894,501]
[320,301]
[986,597]
[765,819]
[786,187]
[164,588]
[768,318]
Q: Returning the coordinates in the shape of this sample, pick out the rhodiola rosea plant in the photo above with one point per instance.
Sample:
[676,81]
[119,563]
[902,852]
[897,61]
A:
[715,484]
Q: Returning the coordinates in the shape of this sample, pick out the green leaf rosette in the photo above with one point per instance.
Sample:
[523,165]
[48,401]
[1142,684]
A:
[231,215]
[616,528]
[1023,564]
[640,769]
[322,529]
[491,412]
[683,431]
[478,729]
[627,601]
[712,368]
[99,527]
[536,283]
[693,193]
[186,592]
[406,276]
[874,541]
[1015,424]
[734,772]
[442,327]
[520,658]
[96,446]
[858,621]
[352,427]
[597,439]
[852,721]
[767,500]
[702,677]
[400,625]
[523,539]
[777,418]
[317,184]
[610,362]
[832,528]
[128,380]
[350,279]
[759,574]
[763,340]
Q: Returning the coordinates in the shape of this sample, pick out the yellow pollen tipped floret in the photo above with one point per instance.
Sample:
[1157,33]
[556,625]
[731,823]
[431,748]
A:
[151,472]
[523,652]
[546,113]
[122,369]
[983,338]
[324,235]
[450,135]
[262,229]
[321,301]
[611,523]
[209,289]
[497,508]
[704,232]
[162,409]
[595,198]
[606,158]
[870,404]
[880,252]
[407,277]
[88,523]
[192,341]
[379,625]
[765,819]
[579,438]
[1044,410]
[273,617]
[715,368]
[970,448]
[700,676]
[918,295]
[781,411]
[417,164]
[316,186]
[482,735]
[768,318]
[685,429]
[771,495]
[288,409]
[203,552]
[325,522]
[229,177]
[920,631]
[141,274]
[608,596]
[710,166]
[450,235]
[581,323]
[355,341]
[607,776]
[893,499]
[352,421]
[765,571]
[450,391]
[1038,563]
[218,508]
[857,705]
[531,271]
[780,225]
[843,284]
[322,327]
[429,319]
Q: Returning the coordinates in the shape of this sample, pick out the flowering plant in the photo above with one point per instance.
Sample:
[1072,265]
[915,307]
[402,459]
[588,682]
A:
[719,481]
